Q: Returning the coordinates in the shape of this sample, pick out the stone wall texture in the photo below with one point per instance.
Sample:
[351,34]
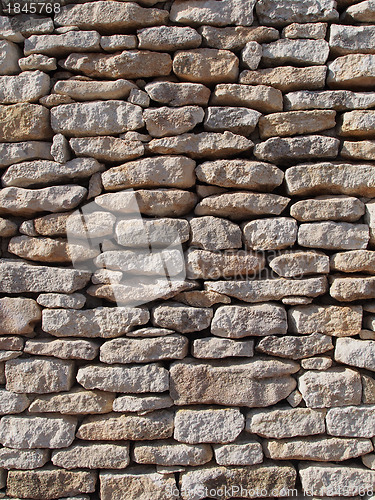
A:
[187,271]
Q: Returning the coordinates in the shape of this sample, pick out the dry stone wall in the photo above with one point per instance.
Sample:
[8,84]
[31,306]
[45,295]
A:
[187,276]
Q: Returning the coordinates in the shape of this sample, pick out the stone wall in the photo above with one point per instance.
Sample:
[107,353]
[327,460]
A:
[237,137]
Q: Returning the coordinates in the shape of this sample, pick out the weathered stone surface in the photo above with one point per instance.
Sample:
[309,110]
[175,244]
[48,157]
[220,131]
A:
[295,122]
[242,205]
[120,378]
[270,234]
[203,145]
[181,318]
[349,289]
[236,37]
[12,343]
[95,224]
[111,149]
[171,453]
[44,172]
[142,263]
[333,235]
[329,478]
[18,315]
[352,421]
[338,321]
[260,97]
[7,228]
[37,432]
[20,277]
[267,477]
[321,449]
[274,13]
[358,150]
[254,382]
[37,62]
[244,320]
[58,45]
[96,118]
[298,52]
[283,151]
[104,322]
[351,39]
[370,220]
[269,289]
[24,122]
[113,43]
[295,347]
[241,453]
[202,264]
[93,456]
[208,425]
[313,31]
[354,71]
[285,422]
[140,291]
[160,232]
[287,78]
[237,120]
[251,55]
[213,233]
[354,261]
[49,483]
[10,53]
[60,150]
[331,177]
[51,225]
[127,64]
[242,174]
[75,402]
[178,94]
[26,202]
[11,458]
[359,123]
[165,121]
[363,12]
[11,402]
[81,90]
[39,375]
[109,18]
[26,87]
[213,13]
[63,349]
[49,250]
[213,348]
[141,483]
[142,403]
[355,352]
[295,264]
[168,38]
[317,363]
[332,387]
[342,208]
[339,100]
[144,350]
[114,427]
[169,171]
[11,153]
